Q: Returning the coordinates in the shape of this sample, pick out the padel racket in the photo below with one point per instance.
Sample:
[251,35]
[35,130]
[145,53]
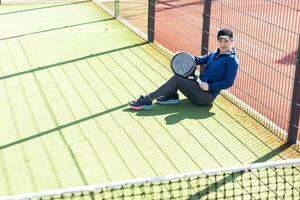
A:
[183,64]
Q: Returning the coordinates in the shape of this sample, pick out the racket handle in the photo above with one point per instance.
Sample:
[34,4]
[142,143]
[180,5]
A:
[199,81]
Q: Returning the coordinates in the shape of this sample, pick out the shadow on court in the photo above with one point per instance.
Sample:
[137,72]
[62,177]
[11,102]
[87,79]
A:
[43,7]
[55,29]
[60,127]
[68,61]
[185,110]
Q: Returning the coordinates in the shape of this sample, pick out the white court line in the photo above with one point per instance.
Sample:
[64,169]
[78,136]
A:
[108,30]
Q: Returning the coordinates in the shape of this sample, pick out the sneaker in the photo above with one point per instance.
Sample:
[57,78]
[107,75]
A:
[169,99]
[142,103]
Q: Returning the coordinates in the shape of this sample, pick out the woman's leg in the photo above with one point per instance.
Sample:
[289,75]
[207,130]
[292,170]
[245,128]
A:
[168,88]
[188,87]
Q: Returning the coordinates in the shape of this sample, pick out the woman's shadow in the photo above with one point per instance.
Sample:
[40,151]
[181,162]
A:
[185,110]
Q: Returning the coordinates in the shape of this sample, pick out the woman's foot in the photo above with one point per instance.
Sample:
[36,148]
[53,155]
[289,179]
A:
[169,99]
[144,102]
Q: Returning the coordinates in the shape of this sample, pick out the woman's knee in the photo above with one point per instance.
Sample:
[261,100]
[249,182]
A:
[178,78]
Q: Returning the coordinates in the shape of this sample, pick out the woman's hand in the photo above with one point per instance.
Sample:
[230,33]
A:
[197,73]
[203,85]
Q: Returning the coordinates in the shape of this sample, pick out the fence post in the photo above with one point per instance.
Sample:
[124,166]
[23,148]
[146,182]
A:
[117,8]
[151,20]
[205,27]
[295,106]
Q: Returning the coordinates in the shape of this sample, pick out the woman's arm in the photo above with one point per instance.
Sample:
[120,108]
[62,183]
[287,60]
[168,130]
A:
[200,60]
[230,76]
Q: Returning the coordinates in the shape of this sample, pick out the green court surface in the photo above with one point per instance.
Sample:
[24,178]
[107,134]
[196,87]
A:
[66,73]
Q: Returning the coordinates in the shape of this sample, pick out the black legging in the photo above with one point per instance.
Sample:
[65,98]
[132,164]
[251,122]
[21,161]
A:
[188,87]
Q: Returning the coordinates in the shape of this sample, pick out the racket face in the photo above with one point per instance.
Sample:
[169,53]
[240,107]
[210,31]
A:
[183,64]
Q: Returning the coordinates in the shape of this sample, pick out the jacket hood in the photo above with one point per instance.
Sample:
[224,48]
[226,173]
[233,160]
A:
[231,51]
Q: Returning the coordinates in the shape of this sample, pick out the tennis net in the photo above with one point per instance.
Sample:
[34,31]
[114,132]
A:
[271,180]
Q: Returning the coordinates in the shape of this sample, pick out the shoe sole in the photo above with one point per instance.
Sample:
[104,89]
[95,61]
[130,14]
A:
[169,102]
[146,107]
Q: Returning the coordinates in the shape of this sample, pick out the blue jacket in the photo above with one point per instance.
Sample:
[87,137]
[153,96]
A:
[220,71]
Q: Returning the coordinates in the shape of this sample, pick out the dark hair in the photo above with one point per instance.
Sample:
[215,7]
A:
[225,33]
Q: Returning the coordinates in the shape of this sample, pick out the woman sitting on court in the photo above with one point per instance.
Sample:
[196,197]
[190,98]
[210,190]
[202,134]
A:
[219,73]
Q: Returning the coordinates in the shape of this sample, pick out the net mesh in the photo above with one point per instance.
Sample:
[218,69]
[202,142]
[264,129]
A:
[278,180]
